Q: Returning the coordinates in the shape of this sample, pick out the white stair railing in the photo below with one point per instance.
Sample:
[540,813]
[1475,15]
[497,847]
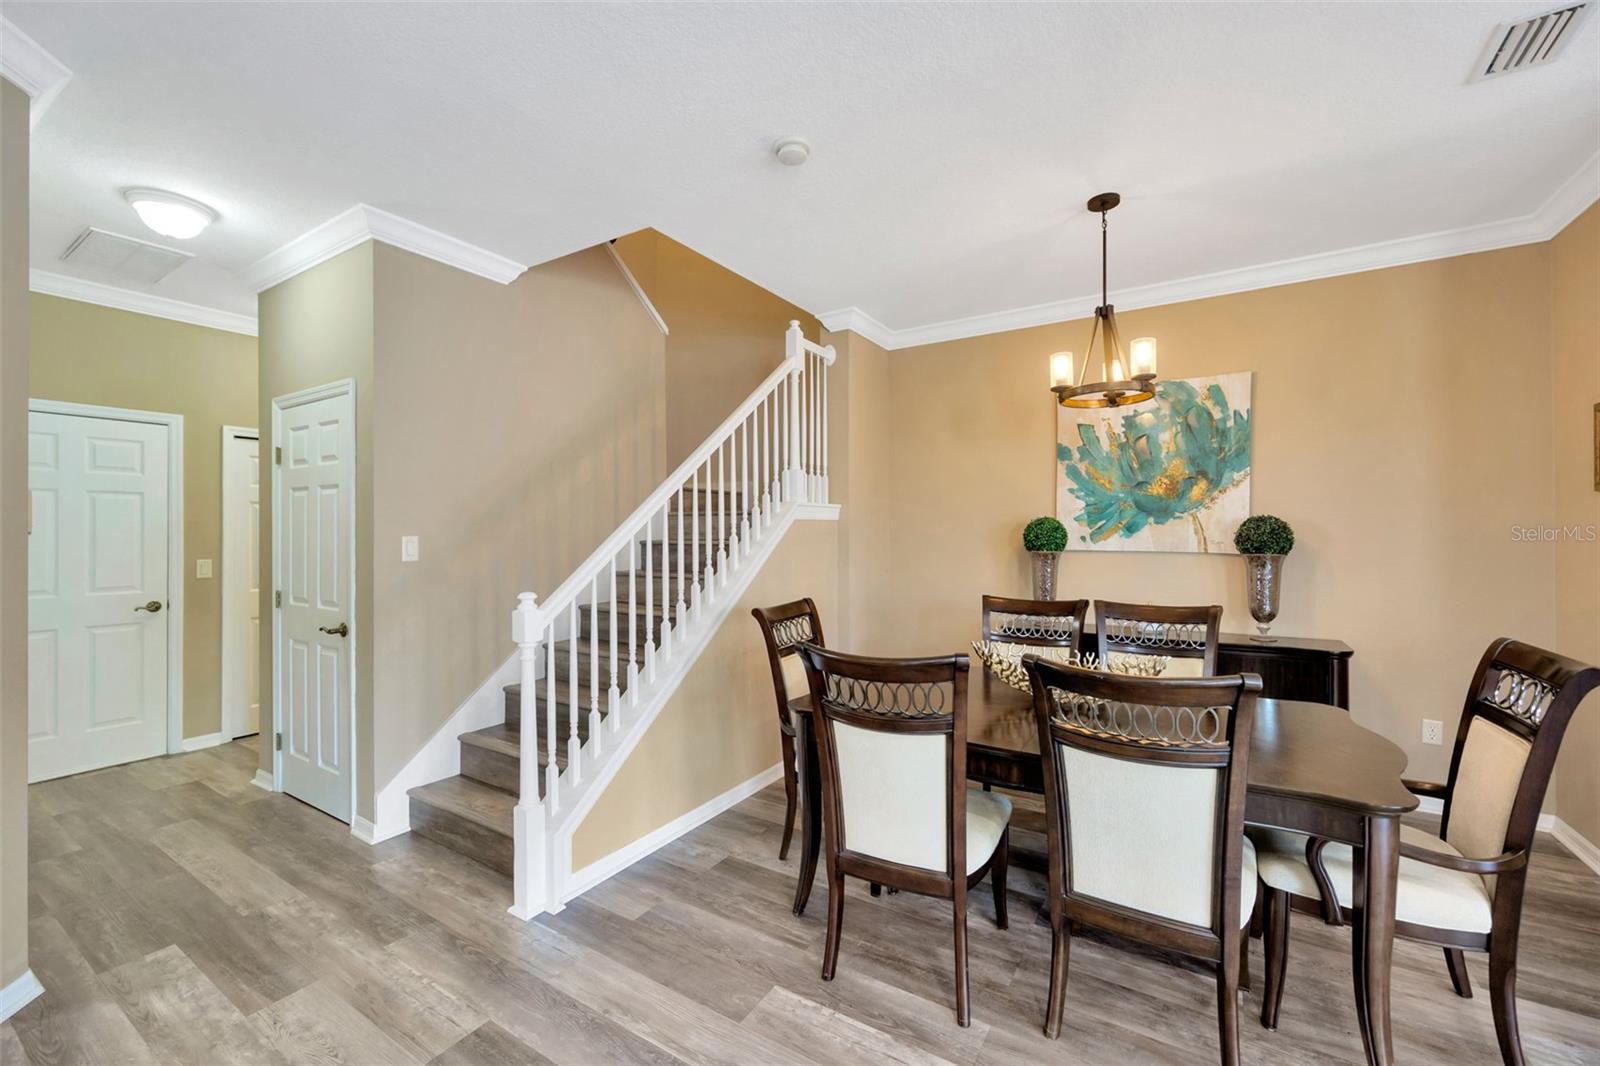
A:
[693,532]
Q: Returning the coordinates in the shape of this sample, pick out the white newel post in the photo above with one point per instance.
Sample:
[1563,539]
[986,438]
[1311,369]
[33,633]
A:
[793,475]
[531,872]
[827,361]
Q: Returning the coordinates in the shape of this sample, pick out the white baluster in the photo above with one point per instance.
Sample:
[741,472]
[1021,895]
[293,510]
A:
[681,619]
[594,666]
[633,624]
[713,572]
[746,497]
[694,543]
[722,516]
[665,601]
[816,427]
[825,362]
[574,767]
[792,457]
[650,630]
[551,770]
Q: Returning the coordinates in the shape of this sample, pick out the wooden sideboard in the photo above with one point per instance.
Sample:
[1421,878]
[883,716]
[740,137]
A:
[1291,668]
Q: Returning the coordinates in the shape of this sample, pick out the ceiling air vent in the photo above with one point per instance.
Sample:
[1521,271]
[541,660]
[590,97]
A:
[127,258]
[1530,42]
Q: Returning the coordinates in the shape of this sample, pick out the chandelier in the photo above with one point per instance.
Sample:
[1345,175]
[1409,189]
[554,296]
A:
[1116,387]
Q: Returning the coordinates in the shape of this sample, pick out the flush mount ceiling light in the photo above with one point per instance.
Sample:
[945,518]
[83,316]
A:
[1114,388]
[169,214]
[792,151]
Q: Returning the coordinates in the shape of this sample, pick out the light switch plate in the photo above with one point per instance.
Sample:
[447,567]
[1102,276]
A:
[408,549]
[202,568]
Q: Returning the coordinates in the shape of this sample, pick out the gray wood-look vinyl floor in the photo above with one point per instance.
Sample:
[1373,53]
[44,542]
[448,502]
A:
[181,915]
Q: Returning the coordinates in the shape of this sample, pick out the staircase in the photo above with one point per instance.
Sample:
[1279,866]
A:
[473,812]
[601,656]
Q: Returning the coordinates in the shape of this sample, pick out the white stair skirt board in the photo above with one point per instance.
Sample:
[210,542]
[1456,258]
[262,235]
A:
[18,994]
[601,869]
[579,802]
[263,779]
[210,740]
[441,756]
[1585,850]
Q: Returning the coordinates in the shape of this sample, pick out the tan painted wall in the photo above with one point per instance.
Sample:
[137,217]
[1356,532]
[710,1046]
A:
[88,354]
[726,333]
[720,728]
[13,533]
[1575,342]
[860,454]
[517,425]
[1384,434]
[316,328]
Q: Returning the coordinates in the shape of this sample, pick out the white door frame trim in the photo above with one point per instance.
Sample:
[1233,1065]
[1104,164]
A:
[176,572]
[342,387]
[228,622]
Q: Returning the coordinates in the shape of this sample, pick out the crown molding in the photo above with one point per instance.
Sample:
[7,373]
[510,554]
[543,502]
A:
[30,68]
[141,303]
[1571,199]
[363,223]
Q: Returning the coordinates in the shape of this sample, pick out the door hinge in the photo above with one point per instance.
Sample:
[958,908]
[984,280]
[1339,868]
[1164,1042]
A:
[277,456]
[277,742]
[277,598]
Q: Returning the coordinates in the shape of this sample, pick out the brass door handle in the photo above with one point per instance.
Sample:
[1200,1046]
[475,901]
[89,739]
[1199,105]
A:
[340,630]
[154,607]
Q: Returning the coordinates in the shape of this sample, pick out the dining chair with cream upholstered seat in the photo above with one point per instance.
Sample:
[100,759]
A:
[1461,890]
[1186,636]
[1144,782]
[783,629]
[892,744]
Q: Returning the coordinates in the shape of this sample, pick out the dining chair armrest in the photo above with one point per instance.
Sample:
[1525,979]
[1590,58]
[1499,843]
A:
[1511,860]
[1426,788]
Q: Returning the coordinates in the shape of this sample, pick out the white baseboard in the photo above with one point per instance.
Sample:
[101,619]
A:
[263,779]
[363,830]
[18,994]
[1585,850]
[583,880]
[210,740]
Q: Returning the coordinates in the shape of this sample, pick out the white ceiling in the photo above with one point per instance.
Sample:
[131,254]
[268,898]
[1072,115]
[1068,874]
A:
[954,145]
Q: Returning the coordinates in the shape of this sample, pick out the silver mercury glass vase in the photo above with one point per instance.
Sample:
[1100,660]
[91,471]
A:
[1265,574]
[1044,574]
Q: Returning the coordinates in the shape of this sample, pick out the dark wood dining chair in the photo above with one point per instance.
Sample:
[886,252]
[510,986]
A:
[892,743]
[784,628]
[1144,783]
[1461,890]
[1042,623]
[1186,635]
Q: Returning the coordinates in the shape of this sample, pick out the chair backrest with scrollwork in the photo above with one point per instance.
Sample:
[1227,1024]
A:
[1042,623]
[1516,712]
[1187,636]
[1144,799]
[891,744]
[783,629]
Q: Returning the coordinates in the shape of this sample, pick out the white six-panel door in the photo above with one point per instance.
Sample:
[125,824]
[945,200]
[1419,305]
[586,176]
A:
[314,542]
[97,592]
[241,583]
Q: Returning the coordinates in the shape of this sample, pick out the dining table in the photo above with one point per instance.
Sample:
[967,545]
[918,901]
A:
[1311,769]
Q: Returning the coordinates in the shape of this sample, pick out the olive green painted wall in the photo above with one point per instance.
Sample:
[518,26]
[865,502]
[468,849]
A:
[84,353]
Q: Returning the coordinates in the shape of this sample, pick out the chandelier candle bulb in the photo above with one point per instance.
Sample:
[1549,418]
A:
[1142,356]
[1061,369]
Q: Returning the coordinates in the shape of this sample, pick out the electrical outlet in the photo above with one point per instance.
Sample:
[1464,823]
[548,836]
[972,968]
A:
[202,568]
[408,549]
[1432,731]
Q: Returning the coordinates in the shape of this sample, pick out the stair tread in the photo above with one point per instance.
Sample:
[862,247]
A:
[473,800]
[501,738]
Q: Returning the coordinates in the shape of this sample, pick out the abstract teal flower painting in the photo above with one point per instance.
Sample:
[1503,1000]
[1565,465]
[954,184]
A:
[1171,474]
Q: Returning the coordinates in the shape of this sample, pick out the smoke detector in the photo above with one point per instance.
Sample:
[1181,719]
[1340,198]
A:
[792,151]
[1530,42]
